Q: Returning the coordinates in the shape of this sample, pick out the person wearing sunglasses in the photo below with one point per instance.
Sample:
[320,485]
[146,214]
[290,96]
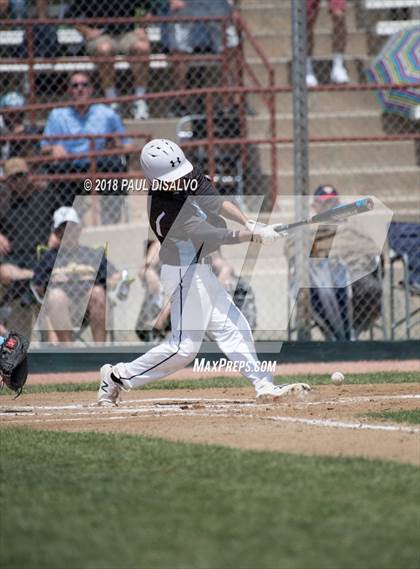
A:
[83,117]
[112,38]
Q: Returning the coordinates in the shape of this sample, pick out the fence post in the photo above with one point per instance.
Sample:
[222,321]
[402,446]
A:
[301,167]
[210,136]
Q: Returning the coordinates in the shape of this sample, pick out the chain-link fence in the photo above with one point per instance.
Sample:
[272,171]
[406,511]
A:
[84,85]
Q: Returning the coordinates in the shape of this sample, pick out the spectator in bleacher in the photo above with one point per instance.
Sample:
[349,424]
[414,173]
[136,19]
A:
[76,276]
[9,274]
[45,43]
[337,10]
[16,9]
[358,253]
[25,221]
[26,212]
[94,119]
[112,38]
[15,123]
[189,37]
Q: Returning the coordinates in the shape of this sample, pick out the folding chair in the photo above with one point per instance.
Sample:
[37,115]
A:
[404,243]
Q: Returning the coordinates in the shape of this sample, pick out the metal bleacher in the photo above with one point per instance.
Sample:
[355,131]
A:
[70,37]
[380,12]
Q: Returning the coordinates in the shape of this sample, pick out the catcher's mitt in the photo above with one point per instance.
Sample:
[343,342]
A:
[14,361]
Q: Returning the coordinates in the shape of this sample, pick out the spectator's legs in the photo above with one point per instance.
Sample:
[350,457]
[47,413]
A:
[104,47]
[338,14]
[180,44]
[180,73]
[96,307]
[344,305]
[312,7]
[59,314]
[20,318]
[339,32]
[137,43]
[18,9]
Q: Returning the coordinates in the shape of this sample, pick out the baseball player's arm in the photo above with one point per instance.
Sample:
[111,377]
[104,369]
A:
[232,212]
[260,232]
[200,231]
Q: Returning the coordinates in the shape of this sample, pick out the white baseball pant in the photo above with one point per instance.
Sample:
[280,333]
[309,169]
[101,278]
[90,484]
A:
[199,303]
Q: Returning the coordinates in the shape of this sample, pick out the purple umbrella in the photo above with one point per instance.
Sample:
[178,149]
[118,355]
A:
[399,62]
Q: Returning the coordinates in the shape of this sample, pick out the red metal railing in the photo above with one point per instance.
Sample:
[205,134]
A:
[210,141]
[267,92]
[242,66]
[90,156]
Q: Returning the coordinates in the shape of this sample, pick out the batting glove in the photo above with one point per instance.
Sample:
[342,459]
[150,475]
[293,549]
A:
[262,233]
[255,227]
[269,235]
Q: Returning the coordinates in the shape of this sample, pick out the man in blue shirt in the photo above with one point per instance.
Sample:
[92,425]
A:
[83,119]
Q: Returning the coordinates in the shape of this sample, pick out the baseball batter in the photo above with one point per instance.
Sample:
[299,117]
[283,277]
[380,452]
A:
[185,213]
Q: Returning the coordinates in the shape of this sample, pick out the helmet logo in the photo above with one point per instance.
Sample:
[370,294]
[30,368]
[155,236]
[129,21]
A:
[173,164]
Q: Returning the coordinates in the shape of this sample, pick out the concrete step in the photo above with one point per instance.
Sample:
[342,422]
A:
[339,123]
[263,16]
[331,102]
[282,69]
[275,43]
[366,156]
[336,123]
[156,127]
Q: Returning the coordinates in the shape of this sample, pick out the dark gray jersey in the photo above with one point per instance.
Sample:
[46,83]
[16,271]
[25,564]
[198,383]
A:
[186,220]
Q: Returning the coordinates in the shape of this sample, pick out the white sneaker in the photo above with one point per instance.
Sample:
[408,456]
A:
[267,391]
[339,74]
[140,110]
[311,80]
[109,391]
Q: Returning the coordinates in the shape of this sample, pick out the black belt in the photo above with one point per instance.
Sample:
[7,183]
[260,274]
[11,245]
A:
[200,261]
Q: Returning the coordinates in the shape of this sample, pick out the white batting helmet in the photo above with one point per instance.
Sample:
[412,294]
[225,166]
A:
[164,160]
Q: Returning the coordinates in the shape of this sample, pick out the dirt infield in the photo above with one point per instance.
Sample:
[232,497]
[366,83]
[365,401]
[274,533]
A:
[330,421]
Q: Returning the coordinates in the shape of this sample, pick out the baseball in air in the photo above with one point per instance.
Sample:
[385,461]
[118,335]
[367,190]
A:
[337,378]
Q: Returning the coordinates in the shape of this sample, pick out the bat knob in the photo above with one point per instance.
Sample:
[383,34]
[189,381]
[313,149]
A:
[365,204]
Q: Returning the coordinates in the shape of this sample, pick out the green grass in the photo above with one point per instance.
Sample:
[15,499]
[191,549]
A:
[85,500]
[385,377]
[403,416]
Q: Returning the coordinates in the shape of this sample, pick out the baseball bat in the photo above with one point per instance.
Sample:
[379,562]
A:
[337,213]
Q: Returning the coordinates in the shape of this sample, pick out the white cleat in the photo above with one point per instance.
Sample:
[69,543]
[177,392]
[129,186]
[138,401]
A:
[268,392]
[109,391]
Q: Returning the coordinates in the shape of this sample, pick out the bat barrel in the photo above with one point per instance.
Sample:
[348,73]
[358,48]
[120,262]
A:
[343,211]
[334,214]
